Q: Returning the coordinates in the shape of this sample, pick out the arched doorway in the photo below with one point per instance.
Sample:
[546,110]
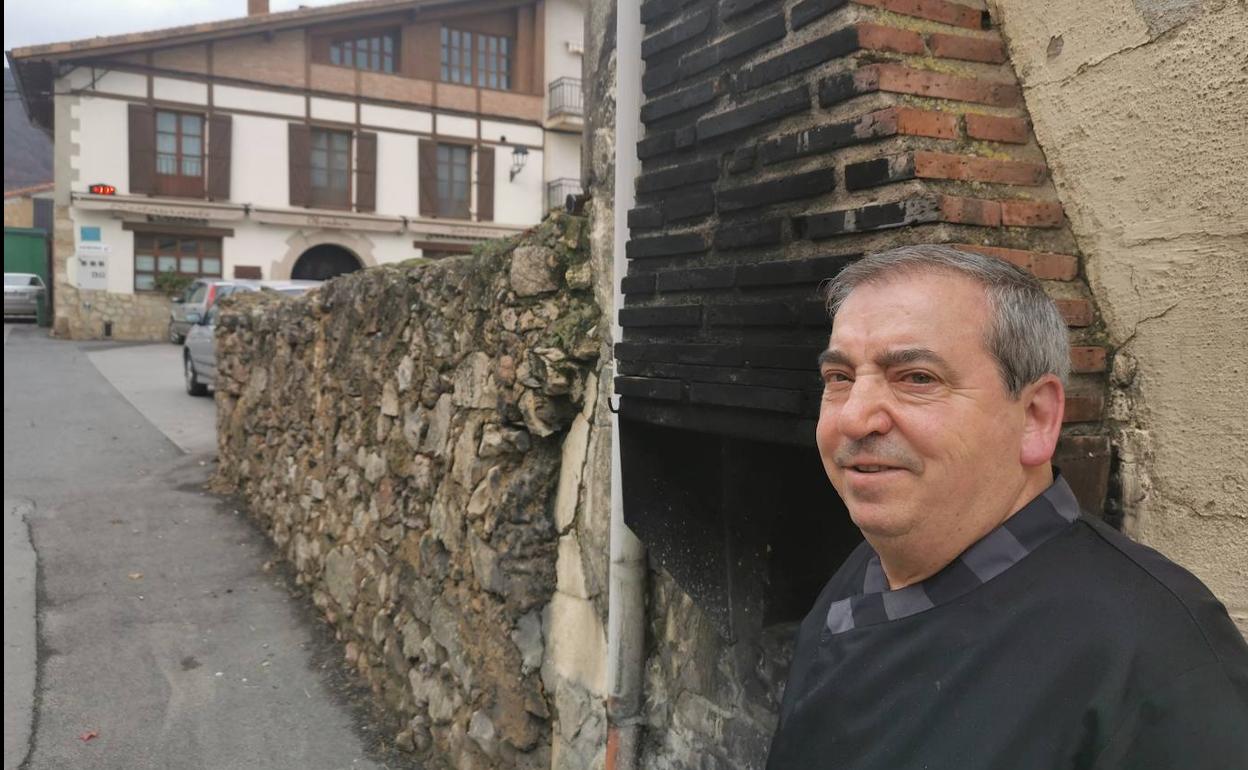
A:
[323,262]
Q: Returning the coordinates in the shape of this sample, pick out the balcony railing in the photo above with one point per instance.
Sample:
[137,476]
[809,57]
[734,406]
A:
[557,192]
[566,98]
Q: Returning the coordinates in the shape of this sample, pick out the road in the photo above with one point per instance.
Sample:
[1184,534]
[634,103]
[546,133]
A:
[142,628]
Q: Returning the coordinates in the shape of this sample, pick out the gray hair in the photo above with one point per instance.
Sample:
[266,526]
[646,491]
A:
[1026,334]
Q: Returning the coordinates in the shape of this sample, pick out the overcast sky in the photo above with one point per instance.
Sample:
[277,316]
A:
[32,22]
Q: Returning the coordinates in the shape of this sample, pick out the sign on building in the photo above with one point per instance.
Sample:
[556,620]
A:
[92,270]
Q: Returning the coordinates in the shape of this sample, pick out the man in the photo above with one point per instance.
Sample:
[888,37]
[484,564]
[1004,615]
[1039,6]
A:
[985,623]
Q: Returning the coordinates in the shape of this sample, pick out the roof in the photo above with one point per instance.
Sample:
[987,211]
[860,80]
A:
[33,66]
[33,189]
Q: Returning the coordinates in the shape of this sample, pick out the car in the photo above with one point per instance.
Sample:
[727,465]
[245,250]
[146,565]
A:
[199,352]
[196,299]
[21,293]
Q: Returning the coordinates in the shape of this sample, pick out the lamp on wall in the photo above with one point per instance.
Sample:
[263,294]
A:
[519,156]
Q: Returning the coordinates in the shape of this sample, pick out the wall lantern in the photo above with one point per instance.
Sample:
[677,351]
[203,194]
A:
[102,189]
[519,156]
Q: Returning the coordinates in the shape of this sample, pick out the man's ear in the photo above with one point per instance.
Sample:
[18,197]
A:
[1044,404]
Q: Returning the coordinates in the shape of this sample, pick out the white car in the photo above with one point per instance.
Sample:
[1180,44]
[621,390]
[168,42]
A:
[21,293]
[199,352]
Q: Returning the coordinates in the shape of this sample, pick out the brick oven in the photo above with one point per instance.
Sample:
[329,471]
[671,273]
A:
[780,142]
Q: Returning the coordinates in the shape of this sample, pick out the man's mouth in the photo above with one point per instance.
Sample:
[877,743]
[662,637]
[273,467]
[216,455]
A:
[871,468]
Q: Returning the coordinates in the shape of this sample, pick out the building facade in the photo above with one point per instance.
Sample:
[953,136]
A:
[300,144]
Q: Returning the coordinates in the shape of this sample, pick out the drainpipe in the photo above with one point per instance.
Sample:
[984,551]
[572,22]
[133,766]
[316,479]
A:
[626,602]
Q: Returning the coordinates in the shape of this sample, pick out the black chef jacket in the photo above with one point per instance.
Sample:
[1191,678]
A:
[1052,643]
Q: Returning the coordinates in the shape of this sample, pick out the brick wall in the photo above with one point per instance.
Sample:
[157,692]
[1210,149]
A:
[783,140]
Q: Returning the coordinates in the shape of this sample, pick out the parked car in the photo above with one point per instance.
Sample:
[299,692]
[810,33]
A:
[199,353]
[196,299]
[21,293]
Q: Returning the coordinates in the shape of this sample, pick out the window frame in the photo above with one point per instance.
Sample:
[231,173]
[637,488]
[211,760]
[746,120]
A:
[448,208]
[481,62]
[344,45]
[180,185]
[156,252]
[322,196]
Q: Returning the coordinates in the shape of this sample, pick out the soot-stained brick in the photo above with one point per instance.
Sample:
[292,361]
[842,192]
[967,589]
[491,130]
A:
[785,188]
[720,277]
[705,170]
[833,46]
[681,31]
[741,236]
[665,245]
[808,10]
[672,104]
[752,114]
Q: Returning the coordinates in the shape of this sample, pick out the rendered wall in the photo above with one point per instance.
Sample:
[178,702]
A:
[1141,109]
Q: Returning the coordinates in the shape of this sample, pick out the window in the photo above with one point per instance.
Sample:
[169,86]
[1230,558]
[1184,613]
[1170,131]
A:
[453,180]
[331,168]
[195,256]
[491,67]
[374,51]
[179,153]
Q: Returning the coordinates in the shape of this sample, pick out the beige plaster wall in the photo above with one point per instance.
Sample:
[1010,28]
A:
[1141,108]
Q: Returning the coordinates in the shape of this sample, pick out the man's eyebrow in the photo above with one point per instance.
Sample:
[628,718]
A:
[887,359]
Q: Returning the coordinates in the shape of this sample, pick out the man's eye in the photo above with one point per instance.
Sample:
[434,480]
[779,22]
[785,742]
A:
[919,378]
[832,378]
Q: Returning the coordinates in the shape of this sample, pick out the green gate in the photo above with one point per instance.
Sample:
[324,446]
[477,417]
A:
[26,251]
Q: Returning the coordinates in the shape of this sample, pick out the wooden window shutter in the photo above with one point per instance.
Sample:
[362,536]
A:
[220,134]
[300,165]
[485,183]
[428,174]
[142,128]
[366,171]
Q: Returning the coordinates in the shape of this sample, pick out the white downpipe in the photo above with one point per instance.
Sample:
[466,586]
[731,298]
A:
[626,594]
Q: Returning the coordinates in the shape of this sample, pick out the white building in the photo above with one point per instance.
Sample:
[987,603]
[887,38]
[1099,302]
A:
[299,144]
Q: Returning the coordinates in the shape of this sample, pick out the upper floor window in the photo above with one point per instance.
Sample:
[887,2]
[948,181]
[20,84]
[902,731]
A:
[179,153]
[489,68]
[370,51]
[330,164]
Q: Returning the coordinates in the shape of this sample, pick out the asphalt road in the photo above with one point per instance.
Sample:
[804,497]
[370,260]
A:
[151,635]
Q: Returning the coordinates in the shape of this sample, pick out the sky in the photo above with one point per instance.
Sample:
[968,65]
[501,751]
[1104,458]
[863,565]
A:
[33,22]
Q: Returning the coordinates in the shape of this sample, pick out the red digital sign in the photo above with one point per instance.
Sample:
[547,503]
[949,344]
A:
[102,189]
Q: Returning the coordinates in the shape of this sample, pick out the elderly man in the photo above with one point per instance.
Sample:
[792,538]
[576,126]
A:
[986,623]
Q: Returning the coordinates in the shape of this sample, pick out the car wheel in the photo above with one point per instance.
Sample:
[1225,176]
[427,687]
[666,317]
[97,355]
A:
[193,386]
[174,337]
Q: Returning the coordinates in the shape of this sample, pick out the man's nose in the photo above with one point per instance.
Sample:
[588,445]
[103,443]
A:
[865,410]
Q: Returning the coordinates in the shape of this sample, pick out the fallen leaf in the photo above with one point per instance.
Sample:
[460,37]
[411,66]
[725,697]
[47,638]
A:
[136,575]
[89,735]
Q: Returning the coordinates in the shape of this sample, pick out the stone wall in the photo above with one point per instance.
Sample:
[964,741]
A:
[422,442]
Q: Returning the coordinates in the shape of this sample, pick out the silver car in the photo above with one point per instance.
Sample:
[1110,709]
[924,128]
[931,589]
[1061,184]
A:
[21,293]
[199,353]
[196,300]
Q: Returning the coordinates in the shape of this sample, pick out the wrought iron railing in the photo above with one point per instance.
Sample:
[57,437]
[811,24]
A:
[566,98]
[558,190]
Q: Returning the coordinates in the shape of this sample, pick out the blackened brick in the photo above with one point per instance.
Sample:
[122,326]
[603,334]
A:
[746,397]
[637,283]
[662,315]
[808,10]
[785,188]
[829,137]
[878,217]
[687,203]
[752,37]
[658,77]
[650,387]
[708,355]
[847,85]
[686,173]
[753,114]
[730,8]
[644,217]
[657,9]
[695,279]
[656,144]
[747,235]
[686,99]
[685,29]
[751,314]
[878,171]
[835,45]
[791,271]
[781,356]
[742,159]
[665,245]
